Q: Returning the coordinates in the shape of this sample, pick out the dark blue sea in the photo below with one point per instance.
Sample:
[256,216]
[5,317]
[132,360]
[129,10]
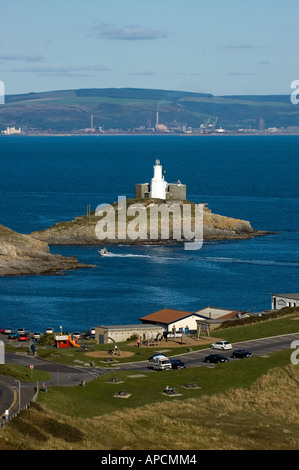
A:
[45,180]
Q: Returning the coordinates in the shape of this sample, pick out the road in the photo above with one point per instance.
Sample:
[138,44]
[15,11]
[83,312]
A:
[72,376]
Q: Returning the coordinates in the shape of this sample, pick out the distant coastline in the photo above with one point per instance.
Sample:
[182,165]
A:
[140,134]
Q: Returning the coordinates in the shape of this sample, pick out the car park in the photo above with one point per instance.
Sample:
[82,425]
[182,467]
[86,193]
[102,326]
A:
[215,358]
[177,364]
[241,354]
[221,345]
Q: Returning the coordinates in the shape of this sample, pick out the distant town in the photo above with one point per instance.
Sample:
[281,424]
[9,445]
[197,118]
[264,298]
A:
[207,128]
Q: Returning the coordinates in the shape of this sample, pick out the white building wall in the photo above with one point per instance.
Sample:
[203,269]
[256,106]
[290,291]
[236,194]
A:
[279,301]
[188,322]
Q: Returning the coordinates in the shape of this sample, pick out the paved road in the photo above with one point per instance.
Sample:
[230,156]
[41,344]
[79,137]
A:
[259,347]
[71,376]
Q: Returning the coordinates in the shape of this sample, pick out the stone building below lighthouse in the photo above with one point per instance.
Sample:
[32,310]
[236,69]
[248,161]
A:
[159,188]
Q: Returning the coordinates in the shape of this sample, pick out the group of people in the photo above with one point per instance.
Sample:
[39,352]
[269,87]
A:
[145,339]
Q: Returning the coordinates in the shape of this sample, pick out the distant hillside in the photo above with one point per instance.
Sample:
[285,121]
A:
[129,108]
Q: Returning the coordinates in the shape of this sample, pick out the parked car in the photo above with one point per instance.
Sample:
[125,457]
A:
[151,358]
[215,358]
[7,331]
[12,336]
[221,345]
[161,363]
[241,354]
[177,364]
[21,331]
[36,335]
[2,330]
[49,330]
[23,338]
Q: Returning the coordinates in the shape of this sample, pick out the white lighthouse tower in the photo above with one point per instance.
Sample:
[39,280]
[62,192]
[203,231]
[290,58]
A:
[158,184]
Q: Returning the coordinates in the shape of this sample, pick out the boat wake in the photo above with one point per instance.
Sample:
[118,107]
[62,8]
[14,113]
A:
[262,262]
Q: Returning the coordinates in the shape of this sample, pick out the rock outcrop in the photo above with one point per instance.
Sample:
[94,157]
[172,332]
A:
[23,255]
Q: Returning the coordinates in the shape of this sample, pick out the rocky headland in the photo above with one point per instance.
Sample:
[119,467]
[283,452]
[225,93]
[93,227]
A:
[81,230]
[24,255]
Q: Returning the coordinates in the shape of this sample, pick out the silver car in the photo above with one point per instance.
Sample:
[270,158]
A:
[221,345]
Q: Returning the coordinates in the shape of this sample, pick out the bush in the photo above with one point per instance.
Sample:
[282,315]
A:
[257,319]
[47,339]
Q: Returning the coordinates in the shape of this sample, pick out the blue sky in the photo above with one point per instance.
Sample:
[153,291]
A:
[219,47]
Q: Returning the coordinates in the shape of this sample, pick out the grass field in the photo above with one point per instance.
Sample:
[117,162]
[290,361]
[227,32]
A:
[246,404]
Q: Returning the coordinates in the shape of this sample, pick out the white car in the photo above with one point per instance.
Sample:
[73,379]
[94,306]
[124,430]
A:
[49,330]
[221,345]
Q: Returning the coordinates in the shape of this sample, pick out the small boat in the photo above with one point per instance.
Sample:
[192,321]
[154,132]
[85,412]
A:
[103,252]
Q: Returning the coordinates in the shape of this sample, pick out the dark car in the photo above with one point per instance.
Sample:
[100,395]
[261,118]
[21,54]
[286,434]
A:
[216,358]
[177,364]
[241,354]
[12,336]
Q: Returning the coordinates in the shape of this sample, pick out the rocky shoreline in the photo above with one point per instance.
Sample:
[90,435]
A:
[23,255]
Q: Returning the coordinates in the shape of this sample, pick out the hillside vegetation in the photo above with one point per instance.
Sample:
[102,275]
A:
[128,108]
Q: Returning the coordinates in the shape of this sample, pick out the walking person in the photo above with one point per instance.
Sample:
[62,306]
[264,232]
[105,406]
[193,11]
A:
[6,415]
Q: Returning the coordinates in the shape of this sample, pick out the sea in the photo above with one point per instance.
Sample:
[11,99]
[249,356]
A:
[45,180]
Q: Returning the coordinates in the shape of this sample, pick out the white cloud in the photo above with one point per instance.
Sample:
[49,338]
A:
[24,57]
[128,33]
[61,70]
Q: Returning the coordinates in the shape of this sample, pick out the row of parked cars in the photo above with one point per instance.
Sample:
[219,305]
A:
[161,362]
[223,346]
[23,335]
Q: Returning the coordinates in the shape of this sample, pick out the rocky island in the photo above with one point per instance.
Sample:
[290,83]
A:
[82,229]
[23,255]
[164,215]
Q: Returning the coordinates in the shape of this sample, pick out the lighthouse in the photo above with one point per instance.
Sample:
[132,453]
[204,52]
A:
[159,188]
[158,184]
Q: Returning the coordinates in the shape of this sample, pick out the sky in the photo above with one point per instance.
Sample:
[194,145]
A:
[220,47]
